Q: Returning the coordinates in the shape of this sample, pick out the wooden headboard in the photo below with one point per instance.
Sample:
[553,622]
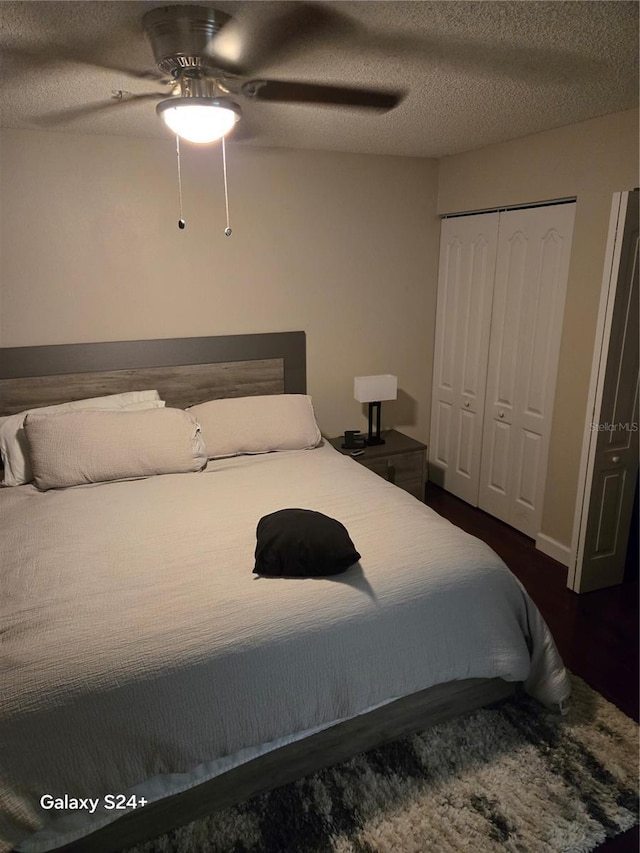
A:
[185,371]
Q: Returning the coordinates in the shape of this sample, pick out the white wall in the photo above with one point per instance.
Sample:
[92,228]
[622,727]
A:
[342,246]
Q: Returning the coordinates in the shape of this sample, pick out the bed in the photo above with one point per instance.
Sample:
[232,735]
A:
[140,654]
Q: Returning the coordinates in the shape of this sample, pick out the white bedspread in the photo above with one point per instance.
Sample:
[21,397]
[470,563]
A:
[137,643]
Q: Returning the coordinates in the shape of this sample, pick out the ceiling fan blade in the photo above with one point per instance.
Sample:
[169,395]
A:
[72,113]
[312,93]
[238,49]
[36,58]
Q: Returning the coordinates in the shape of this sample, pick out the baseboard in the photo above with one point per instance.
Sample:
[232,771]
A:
[553,548]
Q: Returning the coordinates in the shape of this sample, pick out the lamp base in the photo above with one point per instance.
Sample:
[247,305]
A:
[373,440]
[374,429]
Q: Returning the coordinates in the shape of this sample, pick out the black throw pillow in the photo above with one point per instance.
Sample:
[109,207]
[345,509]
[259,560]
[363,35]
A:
[302,543]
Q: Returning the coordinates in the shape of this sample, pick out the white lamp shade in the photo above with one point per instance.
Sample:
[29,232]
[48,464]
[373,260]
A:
[374,389]
[199,120]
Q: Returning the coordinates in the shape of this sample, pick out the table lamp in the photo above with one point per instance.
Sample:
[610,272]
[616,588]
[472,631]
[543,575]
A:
[373,390]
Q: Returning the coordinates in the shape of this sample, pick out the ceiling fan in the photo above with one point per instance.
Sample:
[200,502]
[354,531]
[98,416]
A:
[207,60]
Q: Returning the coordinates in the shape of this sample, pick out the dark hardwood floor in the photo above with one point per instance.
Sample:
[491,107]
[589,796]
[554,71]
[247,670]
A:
[596,633]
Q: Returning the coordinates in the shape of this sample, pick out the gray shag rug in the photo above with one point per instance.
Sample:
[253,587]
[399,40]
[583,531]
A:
[512,777]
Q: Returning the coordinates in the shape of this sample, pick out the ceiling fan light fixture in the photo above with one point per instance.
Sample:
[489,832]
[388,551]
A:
[201,120]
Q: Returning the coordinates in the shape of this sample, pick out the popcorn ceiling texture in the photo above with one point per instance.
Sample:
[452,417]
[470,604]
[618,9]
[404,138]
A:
[476,73]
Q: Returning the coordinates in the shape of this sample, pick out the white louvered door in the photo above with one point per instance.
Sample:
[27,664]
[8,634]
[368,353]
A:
[465,285]
[501,291]
[532,266]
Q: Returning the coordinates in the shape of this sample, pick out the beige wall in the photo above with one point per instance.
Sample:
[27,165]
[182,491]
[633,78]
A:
[342,246]
[591,161]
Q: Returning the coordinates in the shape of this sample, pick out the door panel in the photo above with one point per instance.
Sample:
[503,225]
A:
[447,343]
[505,326]
[440,444]
[499,463]
[466,434]
[476,307]
[540,308]
[610,490]
[526,485]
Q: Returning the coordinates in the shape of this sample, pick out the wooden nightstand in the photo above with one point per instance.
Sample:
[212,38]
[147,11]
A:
[401,460]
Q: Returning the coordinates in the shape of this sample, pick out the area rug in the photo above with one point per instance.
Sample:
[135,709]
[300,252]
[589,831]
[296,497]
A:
[512,777]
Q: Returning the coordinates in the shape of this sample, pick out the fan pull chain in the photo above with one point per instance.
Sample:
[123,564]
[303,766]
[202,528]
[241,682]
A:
[227,231]
[181,222]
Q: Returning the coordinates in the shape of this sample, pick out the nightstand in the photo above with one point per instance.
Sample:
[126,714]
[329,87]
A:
[401,460]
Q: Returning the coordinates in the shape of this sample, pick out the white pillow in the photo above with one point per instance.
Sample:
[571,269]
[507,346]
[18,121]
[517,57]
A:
[13,442]
[260,424]
[89,446]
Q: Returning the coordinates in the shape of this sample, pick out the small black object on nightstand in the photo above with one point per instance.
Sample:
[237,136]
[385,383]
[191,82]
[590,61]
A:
[352,440]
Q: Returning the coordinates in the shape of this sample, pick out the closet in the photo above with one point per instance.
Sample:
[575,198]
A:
[501,290]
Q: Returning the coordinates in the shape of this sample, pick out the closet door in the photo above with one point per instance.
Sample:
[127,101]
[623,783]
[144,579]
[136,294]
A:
[465,285]
[609,466]
[532,265]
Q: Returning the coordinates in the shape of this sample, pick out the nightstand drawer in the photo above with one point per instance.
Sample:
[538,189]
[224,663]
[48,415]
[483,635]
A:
[398,468]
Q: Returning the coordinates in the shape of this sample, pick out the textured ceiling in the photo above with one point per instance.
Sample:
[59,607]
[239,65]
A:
[475,73]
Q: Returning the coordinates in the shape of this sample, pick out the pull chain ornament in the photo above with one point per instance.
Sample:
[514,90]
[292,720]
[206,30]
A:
[227,231]
[181,222]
